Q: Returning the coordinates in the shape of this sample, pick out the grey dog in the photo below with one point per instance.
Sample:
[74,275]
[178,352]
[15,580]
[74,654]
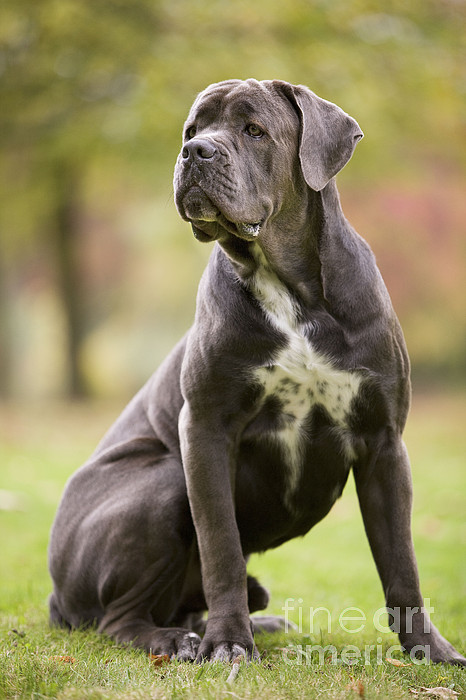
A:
[293,374]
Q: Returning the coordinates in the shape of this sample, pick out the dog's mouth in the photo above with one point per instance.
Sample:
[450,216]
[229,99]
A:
[209,222]
[211,230]
[245,230]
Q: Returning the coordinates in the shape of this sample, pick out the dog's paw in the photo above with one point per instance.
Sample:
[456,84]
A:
[436,653]
[444,653]
[175,642]
[187,647]
[454,659]
[432,646]
[228,651]
[271,623]
[217,650]
[226,638]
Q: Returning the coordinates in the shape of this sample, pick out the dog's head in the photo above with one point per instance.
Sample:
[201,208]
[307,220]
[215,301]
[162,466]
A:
[249,147]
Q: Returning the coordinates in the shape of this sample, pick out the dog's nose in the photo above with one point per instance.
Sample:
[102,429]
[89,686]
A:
[199,149]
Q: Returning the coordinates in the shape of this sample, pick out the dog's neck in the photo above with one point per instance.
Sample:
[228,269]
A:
[291,245]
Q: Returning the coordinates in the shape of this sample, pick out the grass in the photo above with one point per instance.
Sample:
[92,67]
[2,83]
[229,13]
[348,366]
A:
[40,446]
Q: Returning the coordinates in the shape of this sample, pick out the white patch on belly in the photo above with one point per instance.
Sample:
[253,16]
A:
[299,376]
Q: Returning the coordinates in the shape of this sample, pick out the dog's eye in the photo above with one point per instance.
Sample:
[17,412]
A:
[254,131]
[190,132]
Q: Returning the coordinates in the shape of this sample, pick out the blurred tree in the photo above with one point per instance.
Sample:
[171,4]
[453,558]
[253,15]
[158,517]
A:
[62,92]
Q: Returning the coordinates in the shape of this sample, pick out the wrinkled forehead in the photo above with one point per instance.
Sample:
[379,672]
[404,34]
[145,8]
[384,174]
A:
[248,99]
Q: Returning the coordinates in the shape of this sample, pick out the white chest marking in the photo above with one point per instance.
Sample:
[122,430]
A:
[299,376]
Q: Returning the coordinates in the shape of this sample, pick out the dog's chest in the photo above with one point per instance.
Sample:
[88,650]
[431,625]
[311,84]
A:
[298,379]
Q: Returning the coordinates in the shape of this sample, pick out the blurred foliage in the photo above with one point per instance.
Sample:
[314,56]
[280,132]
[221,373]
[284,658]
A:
[98,276]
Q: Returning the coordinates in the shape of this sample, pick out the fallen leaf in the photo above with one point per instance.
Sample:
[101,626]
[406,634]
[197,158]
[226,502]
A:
[357,686]
[440,692]
[159,659]
[63,659]
[397,662]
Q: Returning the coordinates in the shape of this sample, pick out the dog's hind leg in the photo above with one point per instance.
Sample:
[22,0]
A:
[258,599]
[176,642]
[142,616]
[56,619]
[120,548]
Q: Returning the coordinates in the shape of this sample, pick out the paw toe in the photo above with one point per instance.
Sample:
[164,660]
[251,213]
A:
[228,652]
[187,647]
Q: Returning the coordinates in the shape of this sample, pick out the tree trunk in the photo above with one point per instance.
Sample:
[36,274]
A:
[5,338]
[69,272]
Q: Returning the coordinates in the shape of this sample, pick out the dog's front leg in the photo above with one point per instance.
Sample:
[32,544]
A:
[385,496]
[208,461]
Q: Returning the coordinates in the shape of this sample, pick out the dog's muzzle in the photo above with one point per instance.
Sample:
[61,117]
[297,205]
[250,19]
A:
[196,205]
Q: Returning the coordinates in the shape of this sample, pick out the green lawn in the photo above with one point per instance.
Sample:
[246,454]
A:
[331,568]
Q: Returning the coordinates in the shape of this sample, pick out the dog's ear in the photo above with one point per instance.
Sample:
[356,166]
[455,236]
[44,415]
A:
[328,136]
